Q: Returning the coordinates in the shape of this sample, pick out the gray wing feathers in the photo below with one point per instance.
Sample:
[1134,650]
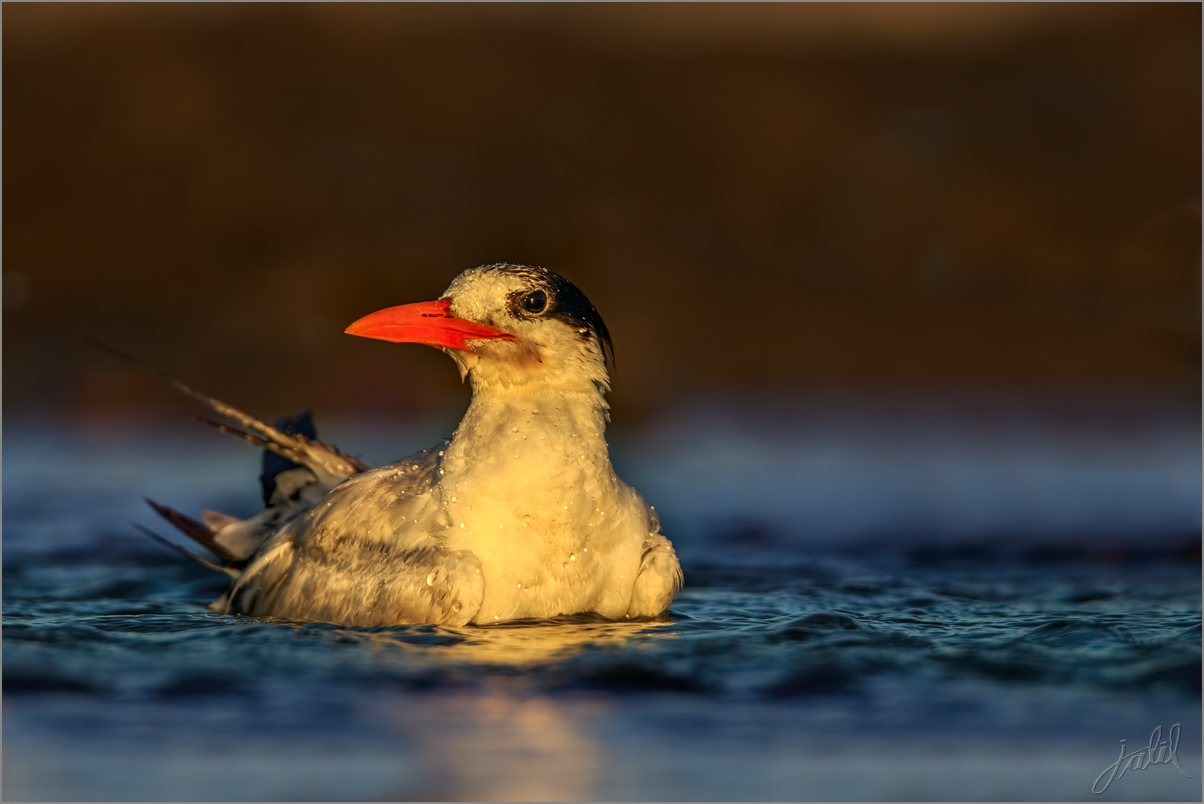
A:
[425,584]
[328,545]
[346,560]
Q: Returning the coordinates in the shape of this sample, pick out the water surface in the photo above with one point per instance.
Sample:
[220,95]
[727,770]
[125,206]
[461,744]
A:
[798,663]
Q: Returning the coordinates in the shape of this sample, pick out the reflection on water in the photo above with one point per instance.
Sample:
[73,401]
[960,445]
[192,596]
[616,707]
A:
[532,643]
[502,746]
[920,670]
[517,643]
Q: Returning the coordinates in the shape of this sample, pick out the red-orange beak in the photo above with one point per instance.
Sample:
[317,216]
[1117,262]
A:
[425,322]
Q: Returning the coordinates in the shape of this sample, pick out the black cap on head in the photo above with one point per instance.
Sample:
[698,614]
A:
[550,295]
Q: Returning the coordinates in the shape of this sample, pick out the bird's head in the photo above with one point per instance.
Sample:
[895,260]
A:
[507,326]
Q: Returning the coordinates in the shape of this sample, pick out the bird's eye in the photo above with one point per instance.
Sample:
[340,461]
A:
[535,301]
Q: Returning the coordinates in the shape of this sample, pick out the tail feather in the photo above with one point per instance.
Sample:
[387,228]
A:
[330,464]
[197,531]
[310,467]
[216,520]
[231,571]
[283,450]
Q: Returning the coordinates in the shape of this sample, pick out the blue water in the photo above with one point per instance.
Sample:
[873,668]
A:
[1002,658]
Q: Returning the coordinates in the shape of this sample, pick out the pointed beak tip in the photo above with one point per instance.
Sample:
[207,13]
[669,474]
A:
[355,328]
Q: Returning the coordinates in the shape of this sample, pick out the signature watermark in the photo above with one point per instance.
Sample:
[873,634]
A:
[1158,752]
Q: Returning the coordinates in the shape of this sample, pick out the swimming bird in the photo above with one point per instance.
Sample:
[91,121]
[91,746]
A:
[518,515]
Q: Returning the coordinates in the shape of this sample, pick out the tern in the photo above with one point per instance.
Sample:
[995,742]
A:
[518,515]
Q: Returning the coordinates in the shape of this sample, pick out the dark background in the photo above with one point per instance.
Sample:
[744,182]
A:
[759,198]
[906,304]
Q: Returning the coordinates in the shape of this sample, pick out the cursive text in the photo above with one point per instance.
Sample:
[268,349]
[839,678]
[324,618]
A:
[1158,752]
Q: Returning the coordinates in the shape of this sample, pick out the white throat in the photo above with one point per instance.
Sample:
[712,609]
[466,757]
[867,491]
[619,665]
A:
[528,451]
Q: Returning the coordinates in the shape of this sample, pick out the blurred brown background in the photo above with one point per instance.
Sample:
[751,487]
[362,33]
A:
[759,198]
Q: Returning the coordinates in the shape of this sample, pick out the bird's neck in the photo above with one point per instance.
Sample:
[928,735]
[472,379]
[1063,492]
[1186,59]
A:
[543,434]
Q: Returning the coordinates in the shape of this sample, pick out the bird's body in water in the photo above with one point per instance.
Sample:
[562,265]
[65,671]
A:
[518,515]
